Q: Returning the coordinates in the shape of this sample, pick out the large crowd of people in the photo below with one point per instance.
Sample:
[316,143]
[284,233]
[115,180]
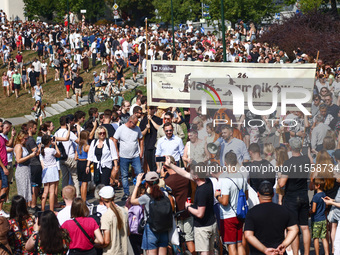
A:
[160,150]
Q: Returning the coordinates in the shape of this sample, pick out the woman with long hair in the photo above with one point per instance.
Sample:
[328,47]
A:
[84,174]
[281,155]
[23,171]
[80,222]
[21,225]
[67,82]
[5,83]
[48,238]
[102,153]
[114,223]
[153,243]
[50,175]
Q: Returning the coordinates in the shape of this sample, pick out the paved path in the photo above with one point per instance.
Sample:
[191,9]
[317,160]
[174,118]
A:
[67,104]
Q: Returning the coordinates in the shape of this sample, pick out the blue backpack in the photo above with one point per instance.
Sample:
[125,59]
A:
[135,215]
[242,206]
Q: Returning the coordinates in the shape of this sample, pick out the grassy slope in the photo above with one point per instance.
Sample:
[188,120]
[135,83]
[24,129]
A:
[54,91]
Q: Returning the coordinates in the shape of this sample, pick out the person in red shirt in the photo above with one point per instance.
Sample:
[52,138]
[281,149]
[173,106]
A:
[80,241]
[3,152]
[19,59]
[19,42]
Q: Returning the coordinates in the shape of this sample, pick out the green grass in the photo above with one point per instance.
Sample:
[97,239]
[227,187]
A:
[54,91]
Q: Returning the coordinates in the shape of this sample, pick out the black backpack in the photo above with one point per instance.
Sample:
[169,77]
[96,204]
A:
[96,215]
[63,155]
[159,216]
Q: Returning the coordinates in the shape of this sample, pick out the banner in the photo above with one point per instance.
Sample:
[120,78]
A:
[239,86]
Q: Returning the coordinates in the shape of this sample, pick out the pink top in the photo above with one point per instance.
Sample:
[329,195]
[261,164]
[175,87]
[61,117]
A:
[3,152]
[78,239]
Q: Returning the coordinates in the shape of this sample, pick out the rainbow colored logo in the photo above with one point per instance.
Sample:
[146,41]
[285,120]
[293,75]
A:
[209,93]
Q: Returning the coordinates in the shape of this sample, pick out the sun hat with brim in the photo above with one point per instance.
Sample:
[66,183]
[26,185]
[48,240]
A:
[107,192]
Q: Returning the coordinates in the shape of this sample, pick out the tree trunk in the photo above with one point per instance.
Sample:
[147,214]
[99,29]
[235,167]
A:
[334,9]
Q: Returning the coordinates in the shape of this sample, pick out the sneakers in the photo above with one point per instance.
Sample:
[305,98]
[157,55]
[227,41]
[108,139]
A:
[29,92]
[125,197]
[3,214]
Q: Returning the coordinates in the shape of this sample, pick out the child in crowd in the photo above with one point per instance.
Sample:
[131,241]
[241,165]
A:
[318,218]
[50,174]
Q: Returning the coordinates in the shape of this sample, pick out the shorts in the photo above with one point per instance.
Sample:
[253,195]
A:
[187,227]
[119,76]
[43,72]
[40,53]
[36,175]
[319,229]
[231,230]
[11,171]
[5,84]
[77,91]
[4,179]
[33,84]
[205,237]
[67,87]
[24,78]
[16,86]
[81,171]
[298,205]
[37,74]
[153,240]
[134,69]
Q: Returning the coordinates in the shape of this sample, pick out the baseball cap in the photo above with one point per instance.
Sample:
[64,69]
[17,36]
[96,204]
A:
[107,192]
[266,188]
[151,176]
[94,73]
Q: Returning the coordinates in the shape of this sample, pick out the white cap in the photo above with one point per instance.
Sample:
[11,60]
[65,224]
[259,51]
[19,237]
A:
[107,192]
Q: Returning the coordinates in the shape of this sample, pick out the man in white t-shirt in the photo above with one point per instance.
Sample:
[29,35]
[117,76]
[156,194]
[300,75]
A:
[232,181]
[69,194]
[131,147]
[68,166]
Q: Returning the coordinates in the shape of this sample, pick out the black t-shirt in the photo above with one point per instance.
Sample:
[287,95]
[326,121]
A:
[77,82]
[333,110]
[33,78]
[260,171]
[30,145]
[204,196]
[110,129]
[134,58]
[150,138]
[297,170]
[268,221]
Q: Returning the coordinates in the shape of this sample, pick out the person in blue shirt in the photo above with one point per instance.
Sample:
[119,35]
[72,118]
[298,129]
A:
[40,48]
[318,218]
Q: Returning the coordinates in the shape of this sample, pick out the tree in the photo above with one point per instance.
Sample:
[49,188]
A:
[312,32]
[183,10]
[254,10]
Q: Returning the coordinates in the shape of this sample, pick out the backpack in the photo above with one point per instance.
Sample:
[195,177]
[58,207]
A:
[242,206]
[96,215]
[63,155]
[160,214]
[135,216]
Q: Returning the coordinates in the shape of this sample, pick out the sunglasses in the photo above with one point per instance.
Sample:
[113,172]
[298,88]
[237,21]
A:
[102,133]
[168,131]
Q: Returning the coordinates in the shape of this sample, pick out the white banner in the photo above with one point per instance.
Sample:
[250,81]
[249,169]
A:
[184,84]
